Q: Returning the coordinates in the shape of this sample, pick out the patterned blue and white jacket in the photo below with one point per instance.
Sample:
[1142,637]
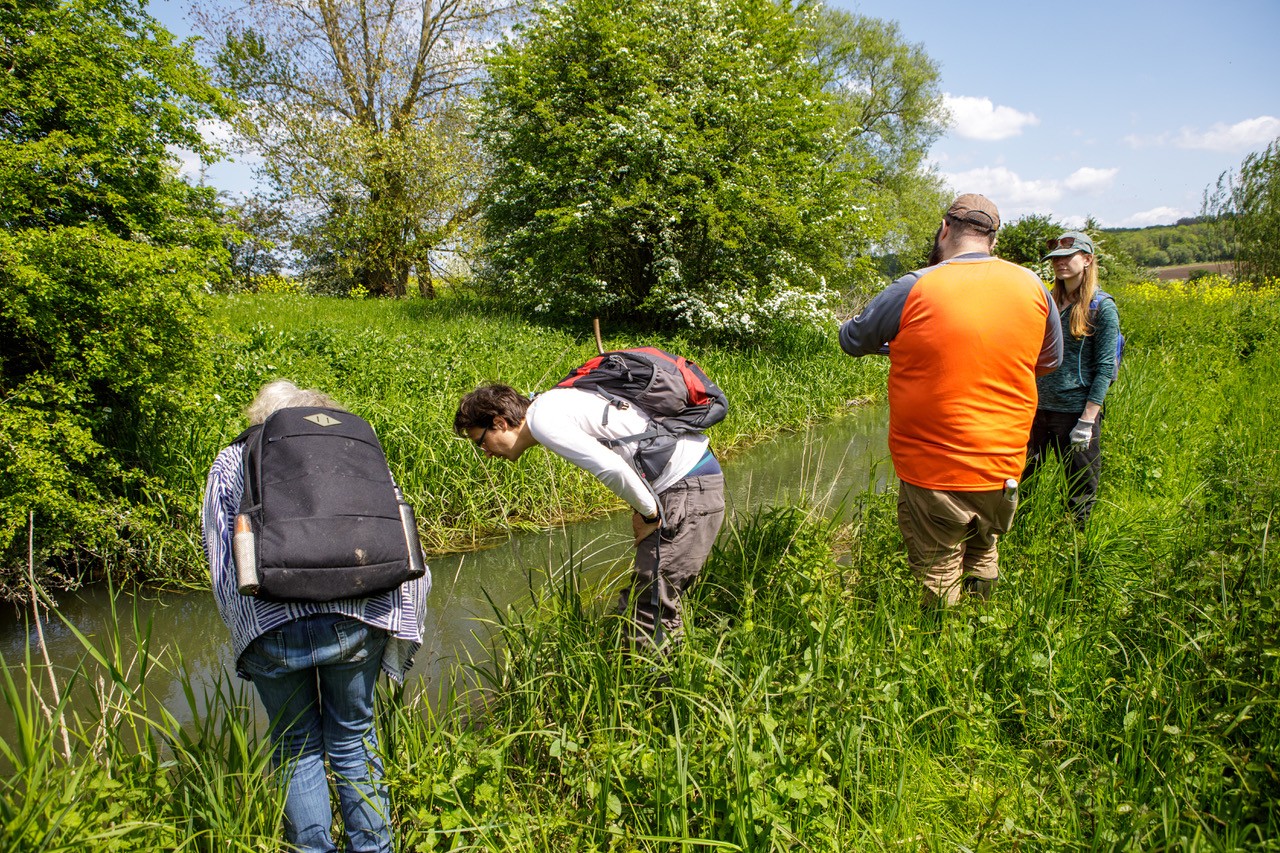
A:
[400,612]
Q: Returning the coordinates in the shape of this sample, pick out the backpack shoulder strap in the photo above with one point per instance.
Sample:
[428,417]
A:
[1098,296]
[252,461]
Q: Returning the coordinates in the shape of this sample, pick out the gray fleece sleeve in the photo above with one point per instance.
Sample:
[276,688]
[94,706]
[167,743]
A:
[879,321]
[1051,350]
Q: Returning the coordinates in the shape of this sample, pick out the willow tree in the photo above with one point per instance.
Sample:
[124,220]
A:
[887,113]
[1245,207]
[356,107]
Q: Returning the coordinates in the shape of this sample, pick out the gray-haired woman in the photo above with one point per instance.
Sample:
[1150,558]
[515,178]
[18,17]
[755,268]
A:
[314,664]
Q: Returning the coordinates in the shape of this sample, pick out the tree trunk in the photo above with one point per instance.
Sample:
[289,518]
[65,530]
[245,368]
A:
[426,286]
[379,281]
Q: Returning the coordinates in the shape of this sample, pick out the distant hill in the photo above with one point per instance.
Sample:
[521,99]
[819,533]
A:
[1189,241]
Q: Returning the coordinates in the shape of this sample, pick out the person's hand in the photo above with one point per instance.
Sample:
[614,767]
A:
[643,529]
[1082,434]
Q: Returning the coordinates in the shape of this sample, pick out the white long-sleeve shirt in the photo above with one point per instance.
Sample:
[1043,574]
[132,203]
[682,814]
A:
[570,423]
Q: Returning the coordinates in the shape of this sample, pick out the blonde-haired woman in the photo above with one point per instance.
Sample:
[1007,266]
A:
[1068,418]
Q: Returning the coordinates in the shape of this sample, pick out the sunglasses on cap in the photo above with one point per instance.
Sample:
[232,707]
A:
[1054,243]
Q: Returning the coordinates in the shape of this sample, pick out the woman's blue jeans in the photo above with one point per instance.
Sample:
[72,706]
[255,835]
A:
[316,677]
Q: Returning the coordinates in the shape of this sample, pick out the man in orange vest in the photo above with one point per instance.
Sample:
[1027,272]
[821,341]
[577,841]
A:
[966,338]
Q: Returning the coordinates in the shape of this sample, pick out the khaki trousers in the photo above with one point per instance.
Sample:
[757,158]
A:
[951,536]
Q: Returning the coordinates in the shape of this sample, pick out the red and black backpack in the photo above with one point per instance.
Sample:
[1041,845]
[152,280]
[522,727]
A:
[671,391]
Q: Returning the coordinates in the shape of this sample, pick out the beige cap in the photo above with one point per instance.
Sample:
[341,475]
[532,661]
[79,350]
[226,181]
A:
[976,210]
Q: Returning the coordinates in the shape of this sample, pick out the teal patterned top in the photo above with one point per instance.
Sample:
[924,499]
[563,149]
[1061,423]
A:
[1088,363]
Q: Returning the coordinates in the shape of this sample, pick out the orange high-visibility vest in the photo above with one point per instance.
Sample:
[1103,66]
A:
[962,384]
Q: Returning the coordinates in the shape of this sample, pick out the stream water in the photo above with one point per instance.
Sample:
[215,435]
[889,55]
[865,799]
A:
[825,467]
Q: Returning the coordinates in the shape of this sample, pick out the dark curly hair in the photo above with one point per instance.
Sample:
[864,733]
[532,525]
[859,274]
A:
[481,406]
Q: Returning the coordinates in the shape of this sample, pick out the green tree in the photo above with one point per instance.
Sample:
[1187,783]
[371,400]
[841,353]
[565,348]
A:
[357,107]
[663,161]
[1246,207]
[257,240]
[1198,239]
[1023,242]
[888,111]
[92,93]
[103,253]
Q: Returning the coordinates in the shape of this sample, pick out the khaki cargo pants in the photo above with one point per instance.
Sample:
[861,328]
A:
[951,536]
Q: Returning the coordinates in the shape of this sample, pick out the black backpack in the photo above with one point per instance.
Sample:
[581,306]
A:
[327,520]
[673,392]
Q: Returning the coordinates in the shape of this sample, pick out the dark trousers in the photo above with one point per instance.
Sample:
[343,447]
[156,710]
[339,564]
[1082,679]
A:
[1051,432]
[693,509]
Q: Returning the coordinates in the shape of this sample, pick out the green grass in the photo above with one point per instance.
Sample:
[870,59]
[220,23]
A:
[405,364]
[122,773]
[1118,693]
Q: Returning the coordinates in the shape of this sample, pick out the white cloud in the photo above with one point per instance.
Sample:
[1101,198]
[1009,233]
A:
[188,162]
[1090,180]
[1154,216]
[1243,135]
[1017,196]
[219,134]
[1252,133]
[1007,187]
[978,118]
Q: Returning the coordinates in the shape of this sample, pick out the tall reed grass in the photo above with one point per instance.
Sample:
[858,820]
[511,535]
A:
[136,777]
[1118,693]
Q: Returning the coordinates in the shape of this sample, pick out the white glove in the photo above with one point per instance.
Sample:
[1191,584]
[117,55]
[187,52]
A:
[1082,434]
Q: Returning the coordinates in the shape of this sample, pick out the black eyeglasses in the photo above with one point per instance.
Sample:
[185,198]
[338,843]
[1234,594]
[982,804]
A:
[1061,243]
[480,441]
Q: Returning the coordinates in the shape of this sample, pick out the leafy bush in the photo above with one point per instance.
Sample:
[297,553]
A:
[1023,242]
[102,335]
[103,253]
[664,160]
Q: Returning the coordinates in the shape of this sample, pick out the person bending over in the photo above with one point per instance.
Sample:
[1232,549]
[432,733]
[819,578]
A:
[675,517]
[314,664]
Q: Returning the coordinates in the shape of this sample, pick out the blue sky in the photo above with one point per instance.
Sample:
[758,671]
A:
[1124,110]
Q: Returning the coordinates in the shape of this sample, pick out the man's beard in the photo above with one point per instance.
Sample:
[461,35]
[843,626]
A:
[935,257]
